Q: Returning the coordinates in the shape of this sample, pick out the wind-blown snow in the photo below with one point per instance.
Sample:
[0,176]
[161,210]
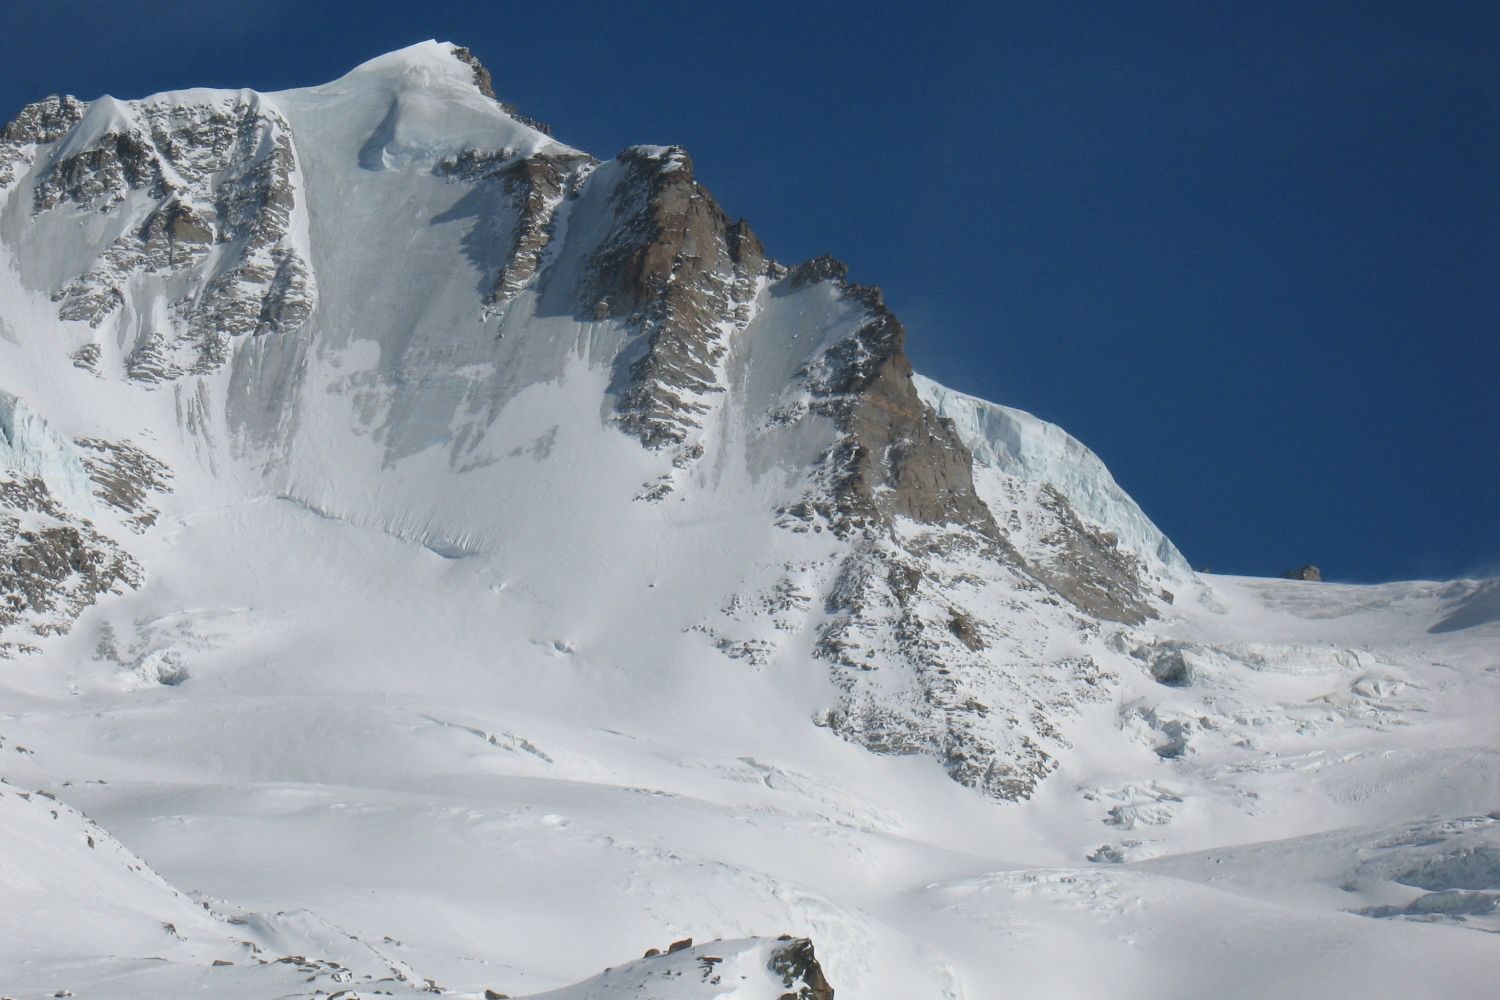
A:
[431,109]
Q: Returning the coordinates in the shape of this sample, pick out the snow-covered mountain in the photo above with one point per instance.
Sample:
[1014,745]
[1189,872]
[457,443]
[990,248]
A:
[452,560]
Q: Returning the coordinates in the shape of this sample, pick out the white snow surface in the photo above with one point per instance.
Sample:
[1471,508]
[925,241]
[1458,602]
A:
[417,694]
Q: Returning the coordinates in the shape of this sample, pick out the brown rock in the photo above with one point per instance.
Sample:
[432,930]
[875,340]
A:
[800,972]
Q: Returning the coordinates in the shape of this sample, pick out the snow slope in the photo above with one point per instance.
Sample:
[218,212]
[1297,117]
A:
[513,571]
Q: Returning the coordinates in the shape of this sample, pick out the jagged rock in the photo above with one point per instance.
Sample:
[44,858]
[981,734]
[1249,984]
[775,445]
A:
[897,458]
[676,265]
[1170,667]
[899,463]
[482,78]
[1088,567]
[800,972]
[533,187]
[52,566]
[966,630]
[124,476]
[38,124]
[208,189]
[1308,572]
[486,86]
[87,358]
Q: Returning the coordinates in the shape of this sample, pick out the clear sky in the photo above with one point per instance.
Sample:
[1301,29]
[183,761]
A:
[1249,253]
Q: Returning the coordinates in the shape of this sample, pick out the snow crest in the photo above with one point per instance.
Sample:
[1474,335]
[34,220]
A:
[1029,448]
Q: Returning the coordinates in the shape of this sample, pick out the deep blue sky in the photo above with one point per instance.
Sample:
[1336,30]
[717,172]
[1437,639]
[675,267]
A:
[1249,253]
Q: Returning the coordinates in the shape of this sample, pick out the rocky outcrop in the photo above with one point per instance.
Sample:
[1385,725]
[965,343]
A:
[924,666]
[207,190]
[54,561]
[1026,451]
[53,564]
[1308,572]
[801,975]
[786,968]
[485,84]
[535,187]
[675,265]
[482,79]
[897,458]
[909,627]
[531,190]
[38,124]
[125,478]
[1078,560]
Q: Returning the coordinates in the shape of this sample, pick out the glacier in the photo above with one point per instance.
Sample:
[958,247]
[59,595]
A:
[31,448]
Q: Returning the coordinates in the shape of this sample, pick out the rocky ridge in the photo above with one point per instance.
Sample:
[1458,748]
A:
[201,197]
[674,266]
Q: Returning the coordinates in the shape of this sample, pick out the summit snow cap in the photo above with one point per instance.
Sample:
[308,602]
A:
[440,100]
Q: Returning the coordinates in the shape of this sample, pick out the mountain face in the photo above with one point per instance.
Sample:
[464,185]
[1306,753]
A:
[346,432]
[398,268]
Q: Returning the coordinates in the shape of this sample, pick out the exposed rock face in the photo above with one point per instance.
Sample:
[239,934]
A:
[54,560]
[926,552]
[898,458]
[482,78]
[532,188]
[1080,526]
[1303,573]
[205,191]
[486,86]
[1076,559]
[800,972]
[125,477]
[53,564]
[922,673]
[673,263]
[38,124]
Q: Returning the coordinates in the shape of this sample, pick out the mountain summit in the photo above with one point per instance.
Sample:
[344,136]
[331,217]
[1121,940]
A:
[502,527]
